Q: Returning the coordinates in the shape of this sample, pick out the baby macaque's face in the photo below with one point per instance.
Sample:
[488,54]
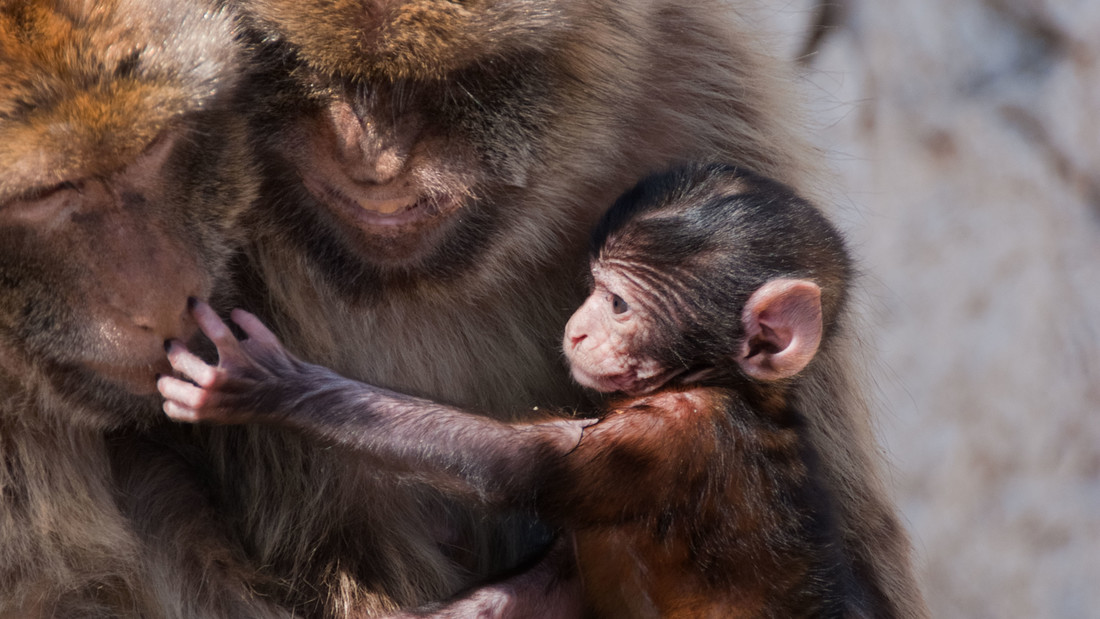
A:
[609,339]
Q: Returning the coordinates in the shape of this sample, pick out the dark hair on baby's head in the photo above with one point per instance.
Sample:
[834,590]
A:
[702,238]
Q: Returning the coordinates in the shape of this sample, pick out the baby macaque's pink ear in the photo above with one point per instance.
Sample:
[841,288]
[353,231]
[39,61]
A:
[782,329]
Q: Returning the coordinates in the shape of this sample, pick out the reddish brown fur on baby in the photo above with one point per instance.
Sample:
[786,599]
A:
[695,492]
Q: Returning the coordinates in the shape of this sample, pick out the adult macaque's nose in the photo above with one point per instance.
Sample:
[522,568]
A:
[370,152]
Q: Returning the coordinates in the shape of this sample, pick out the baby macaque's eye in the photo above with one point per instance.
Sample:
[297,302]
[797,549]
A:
[618,305]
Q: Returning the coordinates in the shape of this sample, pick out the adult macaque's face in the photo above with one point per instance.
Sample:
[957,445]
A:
[414,125]
[387,178]
[97,270]
[121,182]
[119,275]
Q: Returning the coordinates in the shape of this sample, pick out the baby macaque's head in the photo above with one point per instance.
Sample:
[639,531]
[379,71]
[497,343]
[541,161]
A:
[704,270]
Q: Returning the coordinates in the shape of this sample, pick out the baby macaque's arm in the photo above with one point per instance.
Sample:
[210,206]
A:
[258,381]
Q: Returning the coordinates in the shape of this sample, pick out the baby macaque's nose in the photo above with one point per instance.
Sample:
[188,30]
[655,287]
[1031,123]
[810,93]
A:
[576,339]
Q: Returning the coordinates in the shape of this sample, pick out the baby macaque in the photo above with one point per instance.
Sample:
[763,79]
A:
[695,492]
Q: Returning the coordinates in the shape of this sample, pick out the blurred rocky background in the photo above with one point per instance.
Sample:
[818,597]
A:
[966,138]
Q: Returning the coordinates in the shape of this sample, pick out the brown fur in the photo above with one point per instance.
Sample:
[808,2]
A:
[118,177]
[71,106]
[725,542]
[572,103]
[410,40]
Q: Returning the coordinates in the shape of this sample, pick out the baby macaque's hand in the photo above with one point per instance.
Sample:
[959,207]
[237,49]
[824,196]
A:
[247,381]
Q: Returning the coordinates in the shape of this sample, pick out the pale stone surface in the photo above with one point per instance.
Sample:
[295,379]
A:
[966,134]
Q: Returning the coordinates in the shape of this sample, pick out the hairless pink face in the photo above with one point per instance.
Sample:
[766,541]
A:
[605,339]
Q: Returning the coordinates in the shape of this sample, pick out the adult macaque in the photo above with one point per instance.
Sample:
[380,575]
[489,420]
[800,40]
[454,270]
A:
[120,187]
[698,492]
[432,169]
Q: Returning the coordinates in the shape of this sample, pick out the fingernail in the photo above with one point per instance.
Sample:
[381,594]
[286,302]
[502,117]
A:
[191,301]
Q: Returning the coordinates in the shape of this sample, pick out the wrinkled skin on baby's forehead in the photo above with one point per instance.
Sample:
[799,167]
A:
[609,340]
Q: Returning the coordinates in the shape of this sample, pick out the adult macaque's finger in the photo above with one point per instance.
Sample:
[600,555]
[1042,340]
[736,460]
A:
[184,362]
[183,393]
[254,328]
[212,325]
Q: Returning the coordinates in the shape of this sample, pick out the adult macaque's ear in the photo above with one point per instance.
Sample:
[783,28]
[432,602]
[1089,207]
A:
[782,329]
